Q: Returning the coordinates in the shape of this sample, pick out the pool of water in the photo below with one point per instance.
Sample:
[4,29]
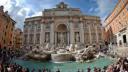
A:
[64,67]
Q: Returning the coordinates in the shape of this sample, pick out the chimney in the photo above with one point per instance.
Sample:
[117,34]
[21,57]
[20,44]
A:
[6,12]
[2,8]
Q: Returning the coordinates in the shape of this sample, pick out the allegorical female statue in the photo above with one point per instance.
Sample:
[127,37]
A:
[47,38]
[77,37]
[62,38]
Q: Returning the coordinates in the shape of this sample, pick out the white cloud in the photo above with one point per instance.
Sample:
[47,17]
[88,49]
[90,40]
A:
[37,14]
[20,9]
[105,7]
[96,9]
[3,2]
[91,9]
[6,3]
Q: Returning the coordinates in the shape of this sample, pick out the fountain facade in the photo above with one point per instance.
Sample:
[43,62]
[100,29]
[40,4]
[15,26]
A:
[61,27]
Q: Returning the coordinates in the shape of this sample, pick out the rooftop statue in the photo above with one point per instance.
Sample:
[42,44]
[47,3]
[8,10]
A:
[62,5]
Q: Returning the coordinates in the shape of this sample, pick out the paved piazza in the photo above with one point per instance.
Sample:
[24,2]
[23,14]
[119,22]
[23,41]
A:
[62,26]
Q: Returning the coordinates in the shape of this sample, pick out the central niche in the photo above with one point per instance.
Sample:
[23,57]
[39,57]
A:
[61,34]
[61,28]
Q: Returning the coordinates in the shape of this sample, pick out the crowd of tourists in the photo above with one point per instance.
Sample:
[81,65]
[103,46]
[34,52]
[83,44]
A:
[120,66]
[95,69]
[17,68]
[7,54]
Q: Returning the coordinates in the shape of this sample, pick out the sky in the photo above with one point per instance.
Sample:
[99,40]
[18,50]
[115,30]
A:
[21,9]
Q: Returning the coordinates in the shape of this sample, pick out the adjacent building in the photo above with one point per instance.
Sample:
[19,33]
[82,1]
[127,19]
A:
[6,29]
[62,26]
[18,38]
[117,24]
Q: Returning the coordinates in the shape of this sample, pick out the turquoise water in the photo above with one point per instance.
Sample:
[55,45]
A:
[64,67]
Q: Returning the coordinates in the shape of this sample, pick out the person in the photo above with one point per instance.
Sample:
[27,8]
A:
[40,70]
[58,70]
[23,70]
[95,69]
[9,69]
[1,68]
[27,70]
[49,70]
[88,69]
[82,70]
[78,70]
[33,70]
[109,69]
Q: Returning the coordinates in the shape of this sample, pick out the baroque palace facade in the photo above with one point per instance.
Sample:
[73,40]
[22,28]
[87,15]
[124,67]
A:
[62,26]
[117,24]
[7,25]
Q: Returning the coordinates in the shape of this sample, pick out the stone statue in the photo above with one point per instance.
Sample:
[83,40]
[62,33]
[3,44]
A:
[62,38]
[47,38]
[77,37]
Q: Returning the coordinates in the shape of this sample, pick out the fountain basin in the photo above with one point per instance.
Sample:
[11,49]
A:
[44,57]
[61,57]
[64,67]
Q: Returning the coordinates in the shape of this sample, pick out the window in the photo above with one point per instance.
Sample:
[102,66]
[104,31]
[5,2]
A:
[5,33]
[6,26]
[37,38]
[127,7]
[123,1]
[4,41]
[32,26]
[25,39]
[12,29]
[31,38]
[47,26]
[38,27]
[25,26]
[10,42]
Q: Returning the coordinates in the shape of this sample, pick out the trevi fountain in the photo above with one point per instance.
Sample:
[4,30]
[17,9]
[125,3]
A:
[63,37]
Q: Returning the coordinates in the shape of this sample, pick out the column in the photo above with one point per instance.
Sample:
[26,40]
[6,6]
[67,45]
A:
[81,33]
[90,36]
[28,38]
[96,34]
[42,35]
[71,33]
[55,38]
[68,37]
[52,34]
[34,37]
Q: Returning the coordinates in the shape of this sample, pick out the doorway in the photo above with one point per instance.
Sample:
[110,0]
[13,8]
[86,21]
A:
[124,39]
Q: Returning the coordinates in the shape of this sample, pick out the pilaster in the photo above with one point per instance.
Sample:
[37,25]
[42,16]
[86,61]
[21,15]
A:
[90,36]
[52,34]
[81,33]
[97,37]
[71,33]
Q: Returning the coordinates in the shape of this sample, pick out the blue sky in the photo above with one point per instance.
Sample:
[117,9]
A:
[21,9]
